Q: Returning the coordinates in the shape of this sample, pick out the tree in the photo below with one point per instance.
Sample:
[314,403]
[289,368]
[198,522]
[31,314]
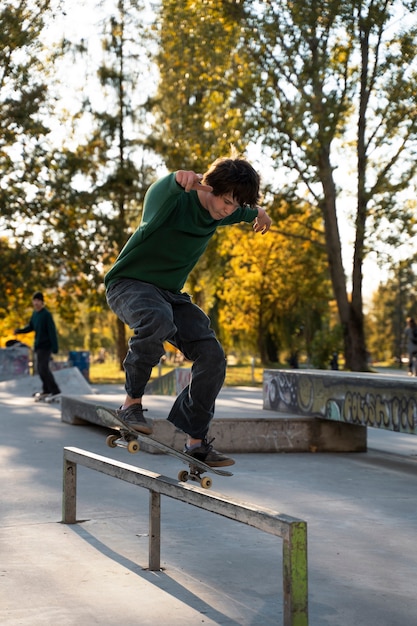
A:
[196,119]
[318,86]
[392,303]
[23,131]
[275,291]
[102,181]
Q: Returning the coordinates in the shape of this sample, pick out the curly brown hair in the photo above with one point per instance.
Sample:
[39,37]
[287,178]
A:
[234,176]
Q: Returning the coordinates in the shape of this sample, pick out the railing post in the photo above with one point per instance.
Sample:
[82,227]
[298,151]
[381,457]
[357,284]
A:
[69,499]
[295,575]
[154,531]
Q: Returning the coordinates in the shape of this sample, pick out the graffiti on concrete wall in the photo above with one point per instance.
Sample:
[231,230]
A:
[364,399]
[14,362]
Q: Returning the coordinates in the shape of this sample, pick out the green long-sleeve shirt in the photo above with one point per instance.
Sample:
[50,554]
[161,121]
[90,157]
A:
[173,234]
[42,323]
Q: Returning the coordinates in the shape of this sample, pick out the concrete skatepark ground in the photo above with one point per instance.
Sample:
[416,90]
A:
[360,509]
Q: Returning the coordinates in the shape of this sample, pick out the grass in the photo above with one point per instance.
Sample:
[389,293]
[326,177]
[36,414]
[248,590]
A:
[236,375]
[241,375]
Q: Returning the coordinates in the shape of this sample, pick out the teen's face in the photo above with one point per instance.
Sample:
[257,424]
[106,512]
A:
[37,304]
[220,207]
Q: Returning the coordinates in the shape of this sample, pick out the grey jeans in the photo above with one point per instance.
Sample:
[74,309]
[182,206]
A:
[156,315]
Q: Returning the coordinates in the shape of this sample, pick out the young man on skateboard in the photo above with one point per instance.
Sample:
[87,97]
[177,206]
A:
[181,213]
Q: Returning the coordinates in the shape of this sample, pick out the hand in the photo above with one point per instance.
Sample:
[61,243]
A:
[263,222]
[190,180]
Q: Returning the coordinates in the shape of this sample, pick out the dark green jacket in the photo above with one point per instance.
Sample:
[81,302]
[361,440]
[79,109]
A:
[173,234]
[43,325]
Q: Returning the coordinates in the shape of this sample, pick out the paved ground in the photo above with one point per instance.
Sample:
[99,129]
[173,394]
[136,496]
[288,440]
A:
[362,526]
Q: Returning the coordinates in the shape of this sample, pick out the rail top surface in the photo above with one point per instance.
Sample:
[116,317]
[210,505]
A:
[263,518]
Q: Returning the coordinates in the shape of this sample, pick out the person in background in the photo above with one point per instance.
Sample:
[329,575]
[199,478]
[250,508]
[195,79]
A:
[46,343]
[181,213]
[410,334]
[334,362]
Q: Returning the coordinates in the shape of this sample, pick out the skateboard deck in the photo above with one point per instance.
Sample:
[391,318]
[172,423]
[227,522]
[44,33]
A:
[130,439]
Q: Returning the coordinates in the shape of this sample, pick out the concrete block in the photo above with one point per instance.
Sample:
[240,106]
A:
[356,398]
[78,411]
[238,435]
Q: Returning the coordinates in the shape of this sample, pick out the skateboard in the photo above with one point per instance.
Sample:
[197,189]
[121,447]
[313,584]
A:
[131,439]
[40,397]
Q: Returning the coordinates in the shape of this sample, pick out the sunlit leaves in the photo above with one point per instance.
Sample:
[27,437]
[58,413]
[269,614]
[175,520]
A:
[273,285]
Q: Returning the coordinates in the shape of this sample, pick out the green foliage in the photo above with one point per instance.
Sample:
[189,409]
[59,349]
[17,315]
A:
[392,303]
[24,110]
[199,64]
[326,91]
[69,208]
[316,85]
[325,344]
[271,287]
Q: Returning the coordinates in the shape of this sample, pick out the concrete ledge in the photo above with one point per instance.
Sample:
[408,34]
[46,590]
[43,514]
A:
[78,411]
[286,434]
[260,433]
[355,398]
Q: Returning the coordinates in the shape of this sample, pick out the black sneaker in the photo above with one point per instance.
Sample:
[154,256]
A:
[133,417]
[206,453]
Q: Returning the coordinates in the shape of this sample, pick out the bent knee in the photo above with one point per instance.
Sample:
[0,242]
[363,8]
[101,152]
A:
[214,353]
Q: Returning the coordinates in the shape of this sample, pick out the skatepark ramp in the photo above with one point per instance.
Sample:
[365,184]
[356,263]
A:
[70,381]
[291,530]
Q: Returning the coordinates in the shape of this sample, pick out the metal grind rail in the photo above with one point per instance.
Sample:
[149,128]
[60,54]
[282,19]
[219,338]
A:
[291,530]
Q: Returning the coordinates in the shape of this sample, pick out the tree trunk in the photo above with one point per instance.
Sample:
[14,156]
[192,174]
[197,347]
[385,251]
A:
[350,313]
[356,355]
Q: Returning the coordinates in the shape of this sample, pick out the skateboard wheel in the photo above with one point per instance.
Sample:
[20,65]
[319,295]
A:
[133,447]
[111,441]
[206,482]
[183,476]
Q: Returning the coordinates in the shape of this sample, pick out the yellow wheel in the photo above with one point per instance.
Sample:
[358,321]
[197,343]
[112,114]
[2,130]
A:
[206,482]
[111,441]
[183,476]
[133,447]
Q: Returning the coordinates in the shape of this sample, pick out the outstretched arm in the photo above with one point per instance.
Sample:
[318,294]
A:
[190,180]
[263,222]
[26,329]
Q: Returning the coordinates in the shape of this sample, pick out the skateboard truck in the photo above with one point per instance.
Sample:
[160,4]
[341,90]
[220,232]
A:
[127,441]
[195,475]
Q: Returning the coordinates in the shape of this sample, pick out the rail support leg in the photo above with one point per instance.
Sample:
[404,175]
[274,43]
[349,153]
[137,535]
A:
[69,493]
[295,575]
[154,531]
